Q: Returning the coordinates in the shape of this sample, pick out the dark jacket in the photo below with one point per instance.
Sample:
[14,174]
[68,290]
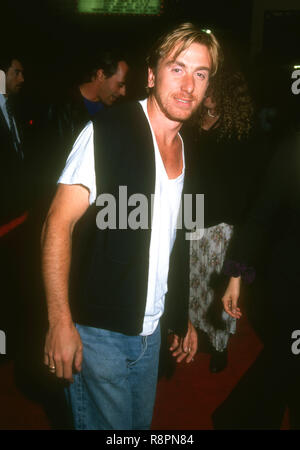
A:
[13,174]
[62,122]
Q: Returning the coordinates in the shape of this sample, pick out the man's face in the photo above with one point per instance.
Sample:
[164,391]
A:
[113,87]
[180,83]
[14,77]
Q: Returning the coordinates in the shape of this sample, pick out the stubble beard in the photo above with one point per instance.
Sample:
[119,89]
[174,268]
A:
[173,113]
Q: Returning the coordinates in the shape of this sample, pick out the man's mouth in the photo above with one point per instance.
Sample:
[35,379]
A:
[184,101]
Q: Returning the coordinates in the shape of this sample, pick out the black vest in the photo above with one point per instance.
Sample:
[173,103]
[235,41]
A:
[109,271]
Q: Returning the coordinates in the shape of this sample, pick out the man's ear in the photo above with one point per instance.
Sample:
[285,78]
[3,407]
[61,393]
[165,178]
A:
[151,78]
[100,75]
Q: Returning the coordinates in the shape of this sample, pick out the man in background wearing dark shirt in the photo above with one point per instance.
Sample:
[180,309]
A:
[102,82]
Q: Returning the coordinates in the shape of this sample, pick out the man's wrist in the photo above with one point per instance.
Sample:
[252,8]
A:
[61,320]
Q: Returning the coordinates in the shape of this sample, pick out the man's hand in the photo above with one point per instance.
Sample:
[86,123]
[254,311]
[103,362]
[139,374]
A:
[231,297]
[63,350]
[63,346]
[182,348]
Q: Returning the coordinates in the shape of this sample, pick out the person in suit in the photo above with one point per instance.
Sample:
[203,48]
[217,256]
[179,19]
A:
[14,198]
[12,156]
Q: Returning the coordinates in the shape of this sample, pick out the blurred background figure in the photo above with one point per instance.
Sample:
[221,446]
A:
[222,144]
[269,243]
[14,201]
[100,80]
[12,188]
[12,154]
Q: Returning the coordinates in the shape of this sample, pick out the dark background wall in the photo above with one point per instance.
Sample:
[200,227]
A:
[51,37]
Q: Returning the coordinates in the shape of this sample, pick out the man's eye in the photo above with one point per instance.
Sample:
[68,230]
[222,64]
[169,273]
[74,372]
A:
[176,69]
[201,75]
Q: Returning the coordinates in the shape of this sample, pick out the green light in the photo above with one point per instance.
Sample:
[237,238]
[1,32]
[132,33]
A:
[119,6]
[297,67]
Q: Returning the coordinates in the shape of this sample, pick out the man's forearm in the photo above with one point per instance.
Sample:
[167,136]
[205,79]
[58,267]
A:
[56,256]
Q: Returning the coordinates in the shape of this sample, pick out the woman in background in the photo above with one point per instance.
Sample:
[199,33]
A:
[221,147]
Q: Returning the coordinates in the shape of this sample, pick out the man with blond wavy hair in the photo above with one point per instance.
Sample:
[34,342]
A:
[105,338]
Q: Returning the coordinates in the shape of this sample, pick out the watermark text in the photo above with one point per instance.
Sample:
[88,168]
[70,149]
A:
[296,344]
[134,212]
[2,343]
[296,83]
[2,82]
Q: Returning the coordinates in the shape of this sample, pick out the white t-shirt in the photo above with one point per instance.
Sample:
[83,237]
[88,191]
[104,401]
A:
[80,169]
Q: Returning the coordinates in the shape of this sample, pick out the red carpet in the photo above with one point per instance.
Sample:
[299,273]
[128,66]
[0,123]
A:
[185,402]
[17,412]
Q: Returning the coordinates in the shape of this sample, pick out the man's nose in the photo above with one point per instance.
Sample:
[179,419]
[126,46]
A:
[123,91]
[188,83]
[21,78]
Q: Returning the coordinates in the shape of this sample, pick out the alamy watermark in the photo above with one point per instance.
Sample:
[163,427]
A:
[296,345]
[2,82]
[296,83]
[2,343]
[138,217]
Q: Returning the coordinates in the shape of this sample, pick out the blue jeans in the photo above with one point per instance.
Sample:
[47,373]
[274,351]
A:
[116,387]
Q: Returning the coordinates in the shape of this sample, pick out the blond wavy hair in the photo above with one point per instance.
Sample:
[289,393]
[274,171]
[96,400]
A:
[182,37]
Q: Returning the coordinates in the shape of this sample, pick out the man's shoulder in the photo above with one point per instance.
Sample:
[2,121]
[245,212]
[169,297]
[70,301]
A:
[124,112]
[69,100]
